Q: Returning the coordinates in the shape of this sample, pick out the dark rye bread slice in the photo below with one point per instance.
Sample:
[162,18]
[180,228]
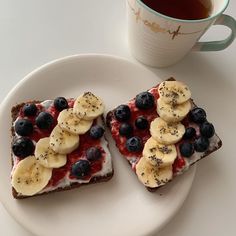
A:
[110,116]
[14,114]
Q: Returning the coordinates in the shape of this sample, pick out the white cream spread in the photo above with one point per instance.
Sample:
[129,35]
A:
[214,142]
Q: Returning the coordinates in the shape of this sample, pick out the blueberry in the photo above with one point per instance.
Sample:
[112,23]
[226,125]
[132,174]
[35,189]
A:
[134,144]
[126,130]
[44,120]
[96,132]
[93,154]
[122,113]
[198,115]
[29,109]
[141,123]
[22,147]
[186,149]
[24,127]
[190,132]
[81,168]
[144,100]
[201,144]
[60,103]
[207,129]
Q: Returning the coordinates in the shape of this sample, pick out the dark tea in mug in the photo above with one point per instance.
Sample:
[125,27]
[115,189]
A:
[182,9]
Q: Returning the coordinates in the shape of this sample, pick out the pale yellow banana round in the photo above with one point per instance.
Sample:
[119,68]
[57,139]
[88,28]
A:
[172,113]
[70,122]
[166,133]
[174,92]
[62,141]
[88,106]
[151,176]
[46,156]
[30,177]
[159,155]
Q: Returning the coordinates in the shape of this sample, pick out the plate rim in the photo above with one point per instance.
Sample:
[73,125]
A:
[61,60]
[68,58]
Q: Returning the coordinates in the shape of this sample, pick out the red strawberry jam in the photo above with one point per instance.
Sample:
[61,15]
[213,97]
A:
[144,134]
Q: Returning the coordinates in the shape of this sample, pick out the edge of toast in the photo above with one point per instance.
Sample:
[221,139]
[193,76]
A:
[14,114]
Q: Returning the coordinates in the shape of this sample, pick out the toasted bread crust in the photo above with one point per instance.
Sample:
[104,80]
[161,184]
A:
[14,114]
[110,116]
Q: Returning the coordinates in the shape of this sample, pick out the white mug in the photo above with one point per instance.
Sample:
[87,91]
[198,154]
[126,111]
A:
[158,40]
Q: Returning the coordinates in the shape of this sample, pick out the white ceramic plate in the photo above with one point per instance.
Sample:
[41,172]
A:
[121,206]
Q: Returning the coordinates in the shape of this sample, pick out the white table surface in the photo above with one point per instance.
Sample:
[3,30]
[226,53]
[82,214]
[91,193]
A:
[35,32]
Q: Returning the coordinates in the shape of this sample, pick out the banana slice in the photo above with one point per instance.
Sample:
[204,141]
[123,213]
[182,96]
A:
[172,113]
[62,141]
[46,156]
[30,177]
[166,133]
[174,92]
[70,122]
[159,155]
[88,106]
[151,176]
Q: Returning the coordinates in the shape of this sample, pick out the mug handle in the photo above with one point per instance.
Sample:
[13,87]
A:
[221,44]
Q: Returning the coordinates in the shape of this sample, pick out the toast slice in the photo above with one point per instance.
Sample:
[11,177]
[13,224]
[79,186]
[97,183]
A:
[161,133]
[86,161]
